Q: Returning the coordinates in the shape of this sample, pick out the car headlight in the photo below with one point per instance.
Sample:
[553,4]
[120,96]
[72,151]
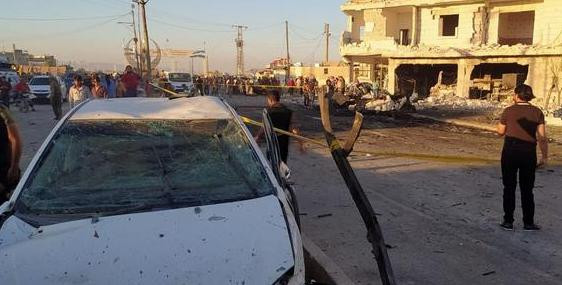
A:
[285,278]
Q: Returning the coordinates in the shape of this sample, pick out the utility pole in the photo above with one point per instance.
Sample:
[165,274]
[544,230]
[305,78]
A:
[288,55]
[206,59]
[142,4]
[239,49]
[327,51]
[141,54]
[135,39]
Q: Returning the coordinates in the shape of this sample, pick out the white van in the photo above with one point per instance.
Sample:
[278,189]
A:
[181,82]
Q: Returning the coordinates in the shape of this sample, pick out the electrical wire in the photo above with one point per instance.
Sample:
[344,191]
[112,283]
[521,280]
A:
[58,19]
[188,19]
[187,28]
[78,30]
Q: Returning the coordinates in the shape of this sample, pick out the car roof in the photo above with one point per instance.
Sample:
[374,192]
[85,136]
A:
[195,108]
[40,76]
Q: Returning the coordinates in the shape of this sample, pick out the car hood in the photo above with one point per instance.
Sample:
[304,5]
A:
[235,243]
[39,88]
[180,84]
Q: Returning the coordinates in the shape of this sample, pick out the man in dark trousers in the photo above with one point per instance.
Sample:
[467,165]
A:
[281,118]
[523,126]
[10,153]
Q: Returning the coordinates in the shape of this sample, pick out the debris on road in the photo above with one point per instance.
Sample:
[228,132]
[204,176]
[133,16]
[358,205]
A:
[488,273]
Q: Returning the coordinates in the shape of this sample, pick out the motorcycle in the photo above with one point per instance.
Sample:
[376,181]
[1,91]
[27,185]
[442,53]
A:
[23,102]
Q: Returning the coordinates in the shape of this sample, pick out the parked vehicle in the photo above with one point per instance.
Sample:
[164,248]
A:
[181,82]
[10,74]
[150,191]
[40,87]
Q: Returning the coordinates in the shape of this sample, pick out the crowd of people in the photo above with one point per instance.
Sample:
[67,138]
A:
[81,88]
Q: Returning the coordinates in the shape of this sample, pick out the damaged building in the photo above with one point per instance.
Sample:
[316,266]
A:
[471,48]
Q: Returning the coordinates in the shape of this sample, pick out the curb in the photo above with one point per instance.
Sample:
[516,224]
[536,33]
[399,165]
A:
[320,267]
[457,122]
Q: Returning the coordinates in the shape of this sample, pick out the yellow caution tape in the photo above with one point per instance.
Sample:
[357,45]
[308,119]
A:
[335,145]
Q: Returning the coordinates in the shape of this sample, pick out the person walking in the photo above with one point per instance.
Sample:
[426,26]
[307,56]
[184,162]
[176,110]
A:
[78,93]
[5,88]
[111,86]
[10,153]
[523,127]
[98,90]
[130,81]
[55,97]
[281,118]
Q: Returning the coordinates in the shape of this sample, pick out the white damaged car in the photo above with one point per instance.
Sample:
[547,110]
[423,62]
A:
[150,191]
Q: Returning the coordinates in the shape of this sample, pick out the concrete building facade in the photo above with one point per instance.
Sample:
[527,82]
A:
[474,46]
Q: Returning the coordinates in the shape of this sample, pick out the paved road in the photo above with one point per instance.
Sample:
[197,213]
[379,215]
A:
[439,217]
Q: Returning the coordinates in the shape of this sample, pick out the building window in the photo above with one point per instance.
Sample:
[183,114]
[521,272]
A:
[516,28]
[448,25]
[361,33]
[325,71]
[404,37]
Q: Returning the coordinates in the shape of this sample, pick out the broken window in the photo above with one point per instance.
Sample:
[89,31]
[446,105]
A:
[496,80]
[422,78]
[404,37]
[516,28]
[448,25]
[106,166]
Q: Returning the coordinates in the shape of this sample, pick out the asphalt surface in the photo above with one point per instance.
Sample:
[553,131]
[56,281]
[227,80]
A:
[438,202]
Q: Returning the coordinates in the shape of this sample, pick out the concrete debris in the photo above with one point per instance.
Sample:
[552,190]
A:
[445,97]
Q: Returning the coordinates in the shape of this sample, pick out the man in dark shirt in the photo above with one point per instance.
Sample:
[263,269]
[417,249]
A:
[10,153]
[281,118]
[523,126]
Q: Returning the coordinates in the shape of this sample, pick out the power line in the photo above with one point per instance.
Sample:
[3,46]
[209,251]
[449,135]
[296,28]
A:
[187,28]
[302,37]
[78,30]
[193,20]
[58,19]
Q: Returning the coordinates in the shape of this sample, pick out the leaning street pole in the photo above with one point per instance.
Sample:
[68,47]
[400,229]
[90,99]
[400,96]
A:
[135,39]
[365,207]
[142,4]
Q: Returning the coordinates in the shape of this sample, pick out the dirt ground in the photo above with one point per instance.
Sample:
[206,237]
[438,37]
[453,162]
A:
[435,187]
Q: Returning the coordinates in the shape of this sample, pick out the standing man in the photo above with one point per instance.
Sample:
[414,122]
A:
[10,153]
[56,97]
[78,93]
[98,90]
[130,81]
[281,118]
[5,88]
[523,126]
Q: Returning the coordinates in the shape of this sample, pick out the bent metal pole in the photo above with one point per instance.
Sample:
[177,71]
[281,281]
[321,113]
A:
[340,154]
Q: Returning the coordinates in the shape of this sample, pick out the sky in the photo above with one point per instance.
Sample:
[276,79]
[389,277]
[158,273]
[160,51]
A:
[86,32]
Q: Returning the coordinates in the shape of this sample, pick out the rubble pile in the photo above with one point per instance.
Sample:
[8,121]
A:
[446,98]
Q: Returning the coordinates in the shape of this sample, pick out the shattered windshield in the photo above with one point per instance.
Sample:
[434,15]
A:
[39,81]
[126,165]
